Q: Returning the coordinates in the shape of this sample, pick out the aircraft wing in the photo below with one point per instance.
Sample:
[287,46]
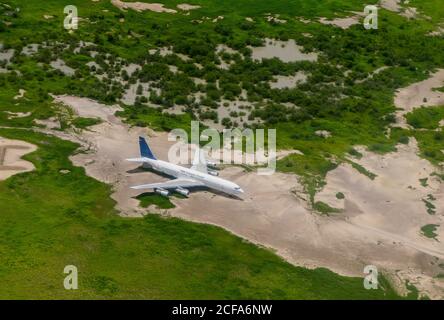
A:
[138,160]
[199,161]
[172,184]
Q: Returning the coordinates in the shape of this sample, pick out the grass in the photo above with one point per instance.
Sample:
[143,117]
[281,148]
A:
[83,123]
[425,117]
[363,170]
[324,208]
[429,230]
[431,208]
[152,198]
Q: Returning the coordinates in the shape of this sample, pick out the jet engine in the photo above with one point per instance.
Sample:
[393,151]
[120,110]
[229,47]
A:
[213,172]
[183,191]
[162,192]
[211,164]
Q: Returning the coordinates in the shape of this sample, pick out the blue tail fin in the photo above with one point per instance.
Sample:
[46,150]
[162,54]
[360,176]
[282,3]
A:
[145,150]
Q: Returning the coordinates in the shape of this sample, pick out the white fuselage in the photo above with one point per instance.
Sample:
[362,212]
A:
[208,180]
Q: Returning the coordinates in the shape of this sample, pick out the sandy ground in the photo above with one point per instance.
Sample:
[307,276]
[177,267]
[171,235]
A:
[59,64]
[286,51]
[391,5]
[395,6]
[419,94]
[380,224]
[11,152]
[187,7]
[438,32]
[20,94]
[142,6]
[282,82]
[13,115]
[343,23]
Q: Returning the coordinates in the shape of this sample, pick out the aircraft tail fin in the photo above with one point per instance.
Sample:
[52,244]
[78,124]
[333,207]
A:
[145,150]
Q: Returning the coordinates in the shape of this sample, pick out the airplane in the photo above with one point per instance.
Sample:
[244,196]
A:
[196,176]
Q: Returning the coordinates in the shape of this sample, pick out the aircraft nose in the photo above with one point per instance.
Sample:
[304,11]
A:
[241,190]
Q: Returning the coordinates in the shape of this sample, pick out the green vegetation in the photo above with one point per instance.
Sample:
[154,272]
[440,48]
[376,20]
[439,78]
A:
[426,117]
[430,143]
[355,153]
[340,195]
[430,207]
[152,198]
[83,123]
[51,220]
[429,230]
[324,208]
[363,170]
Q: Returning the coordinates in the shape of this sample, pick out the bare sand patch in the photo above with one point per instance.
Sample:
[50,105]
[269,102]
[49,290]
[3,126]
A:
[438,32]
[142,6]
[187,7]
[391,5]
[11,153]
[323,133]
[217,19]
[5,55]
[343,23]
[164,51]
[286,51]
[396,6]
[282,82]
[51,123]
[220,50]
[13,115]
[30,49]
[131,68]
[275,19]
[59,64]
[419,94]
[85,107]
[392,206]
[20,94]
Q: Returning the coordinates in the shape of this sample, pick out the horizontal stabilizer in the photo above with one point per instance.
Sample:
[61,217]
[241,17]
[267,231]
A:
[137,160]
